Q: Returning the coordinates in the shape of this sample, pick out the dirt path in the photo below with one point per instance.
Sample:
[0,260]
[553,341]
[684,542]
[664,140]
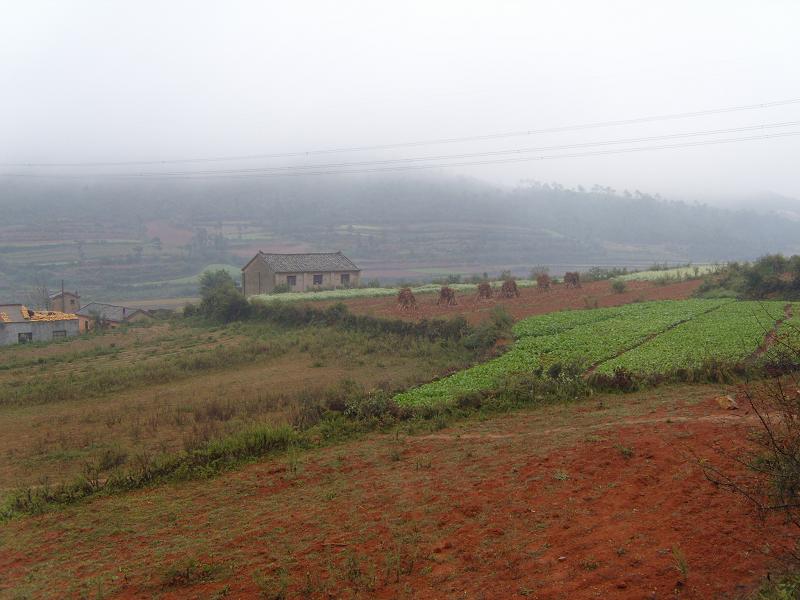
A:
[579,501]
[646,339]
[771,336]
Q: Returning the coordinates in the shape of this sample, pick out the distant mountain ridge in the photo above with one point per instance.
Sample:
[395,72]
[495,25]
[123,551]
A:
[389,226]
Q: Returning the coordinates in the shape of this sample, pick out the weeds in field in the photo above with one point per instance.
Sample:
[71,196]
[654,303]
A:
[590,564]
[680,563]
[273,586]
[292,461]
[189,571]
[786,587]
[625,451]
[422,463]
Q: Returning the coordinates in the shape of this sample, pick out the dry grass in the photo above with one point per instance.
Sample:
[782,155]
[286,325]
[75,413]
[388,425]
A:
[455,511]
[52,441]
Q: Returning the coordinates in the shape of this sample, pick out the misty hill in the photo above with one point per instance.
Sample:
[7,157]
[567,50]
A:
[137,233]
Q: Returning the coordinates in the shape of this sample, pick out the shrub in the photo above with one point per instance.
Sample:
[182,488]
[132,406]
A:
[496,327]
[618,286]
[221,300]
[621,380]
[375,406]
[294,314]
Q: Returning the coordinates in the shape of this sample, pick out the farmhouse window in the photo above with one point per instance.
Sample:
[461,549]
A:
[345,278]
[24,338]
[291,280]
[317,279]
[61,333]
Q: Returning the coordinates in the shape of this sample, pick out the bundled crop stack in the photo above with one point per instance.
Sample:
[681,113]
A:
[509,289]
[572,279]
[543,281]
[447,296]
[484,291]
[406,299]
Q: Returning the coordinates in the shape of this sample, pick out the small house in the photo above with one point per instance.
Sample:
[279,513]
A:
[67,302]
[298,272]
[19,325]
[110,315]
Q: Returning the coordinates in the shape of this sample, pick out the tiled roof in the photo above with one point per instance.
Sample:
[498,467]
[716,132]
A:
[306,263]
[110,312]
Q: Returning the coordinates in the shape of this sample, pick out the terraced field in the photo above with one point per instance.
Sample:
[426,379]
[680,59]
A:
[651,337]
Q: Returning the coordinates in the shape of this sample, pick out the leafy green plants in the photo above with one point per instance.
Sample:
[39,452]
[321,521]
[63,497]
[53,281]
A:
[546,343]
[729,334]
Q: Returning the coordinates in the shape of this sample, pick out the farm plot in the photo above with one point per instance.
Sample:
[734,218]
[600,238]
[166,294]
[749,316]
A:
[575,337]
[730,334]
[347,294]
[787,334]
[677,274]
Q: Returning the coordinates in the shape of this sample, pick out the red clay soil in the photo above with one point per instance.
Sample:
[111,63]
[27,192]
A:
[586,501]
[530,302]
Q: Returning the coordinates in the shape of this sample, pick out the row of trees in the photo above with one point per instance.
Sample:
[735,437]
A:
[772,276]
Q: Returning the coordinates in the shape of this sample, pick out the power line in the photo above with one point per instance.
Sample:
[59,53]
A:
[430,142]
[525,159]
[397,161]
[223,175]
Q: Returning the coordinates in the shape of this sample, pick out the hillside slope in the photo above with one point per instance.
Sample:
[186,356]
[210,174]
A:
[574,501]
[146,232]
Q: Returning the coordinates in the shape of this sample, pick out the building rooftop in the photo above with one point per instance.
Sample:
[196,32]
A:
[19,313]
[305,263]
[110,312]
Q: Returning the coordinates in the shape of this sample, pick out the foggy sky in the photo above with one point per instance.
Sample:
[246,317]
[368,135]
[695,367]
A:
[113,81]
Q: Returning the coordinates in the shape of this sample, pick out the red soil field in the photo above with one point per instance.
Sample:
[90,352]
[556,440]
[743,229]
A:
[530,301]
[169,234]
[588,500]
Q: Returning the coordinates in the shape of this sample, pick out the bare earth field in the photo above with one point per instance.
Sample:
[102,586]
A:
[587,500]
[530,302]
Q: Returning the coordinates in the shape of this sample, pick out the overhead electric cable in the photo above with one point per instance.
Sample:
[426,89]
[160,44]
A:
[429,142]
[218,175]
[391,161]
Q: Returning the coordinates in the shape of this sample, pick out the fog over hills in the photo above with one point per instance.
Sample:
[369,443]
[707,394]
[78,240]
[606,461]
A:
[395,227]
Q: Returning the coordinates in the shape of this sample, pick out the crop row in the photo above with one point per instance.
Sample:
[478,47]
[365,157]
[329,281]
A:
[729,334]
[574,337]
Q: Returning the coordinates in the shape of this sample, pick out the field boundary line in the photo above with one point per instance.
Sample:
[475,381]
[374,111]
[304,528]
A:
[771,336]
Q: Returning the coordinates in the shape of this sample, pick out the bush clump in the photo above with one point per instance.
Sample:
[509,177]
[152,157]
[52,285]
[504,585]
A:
[618,286]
